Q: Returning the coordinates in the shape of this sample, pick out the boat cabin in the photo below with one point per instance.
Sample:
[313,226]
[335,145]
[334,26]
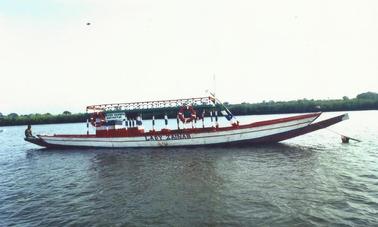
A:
[126,119]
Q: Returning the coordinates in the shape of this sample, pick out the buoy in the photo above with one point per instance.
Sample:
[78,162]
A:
[344,139]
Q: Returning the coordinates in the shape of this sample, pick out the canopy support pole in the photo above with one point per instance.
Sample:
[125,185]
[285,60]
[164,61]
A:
[211,118]
[166,120]
[87,122]
[216,119]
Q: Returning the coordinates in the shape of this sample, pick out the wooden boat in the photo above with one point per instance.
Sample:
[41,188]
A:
[121,126]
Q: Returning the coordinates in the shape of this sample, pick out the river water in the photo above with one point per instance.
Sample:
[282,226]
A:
[313,180]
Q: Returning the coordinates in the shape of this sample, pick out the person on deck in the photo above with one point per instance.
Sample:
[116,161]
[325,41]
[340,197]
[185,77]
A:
[28,132]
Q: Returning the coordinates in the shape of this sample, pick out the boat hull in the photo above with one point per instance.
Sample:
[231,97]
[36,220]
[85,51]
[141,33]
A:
[259,132]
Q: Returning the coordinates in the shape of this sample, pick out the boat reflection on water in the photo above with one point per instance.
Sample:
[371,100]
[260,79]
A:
[145,186]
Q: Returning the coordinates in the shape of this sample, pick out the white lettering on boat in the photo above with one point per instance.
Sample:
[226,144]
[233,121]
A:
[167,137]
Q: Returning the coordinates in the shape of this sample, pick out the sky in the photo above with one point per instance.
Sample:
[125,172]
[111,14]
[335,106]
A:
[138,50]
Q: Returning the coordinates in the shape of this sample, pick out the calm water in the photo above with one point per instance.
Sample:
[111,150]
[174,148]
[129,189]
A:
[309,180]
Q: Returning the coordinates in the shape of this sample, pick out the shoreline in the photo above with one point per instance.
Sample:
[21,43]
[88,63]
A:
[363,101]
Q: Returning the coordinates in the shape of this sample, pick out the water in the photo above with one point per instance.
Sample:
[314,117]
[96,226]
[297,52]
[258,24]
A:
[309,180]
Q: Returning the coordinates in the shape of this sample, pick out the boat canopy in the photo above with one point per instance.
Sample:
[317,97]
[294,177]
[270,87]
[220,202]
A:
[156,106]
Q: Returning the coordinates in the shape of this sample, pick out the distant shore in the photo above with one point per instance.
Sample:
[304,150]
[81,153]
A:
[364,101]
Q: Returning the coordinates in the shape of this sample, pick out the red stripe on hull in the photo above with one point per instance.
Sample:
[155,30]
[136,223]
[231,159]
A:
[134,132]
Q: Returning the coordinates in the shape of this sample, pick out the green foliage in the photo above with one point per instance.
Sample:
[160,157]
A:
[368,95]
[12,115]
[47,118]
[365,101]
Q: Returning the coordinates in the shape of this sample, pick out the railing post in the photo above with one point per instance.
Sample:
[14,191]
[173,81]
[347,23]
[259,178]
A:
[166,120]
[211,118]
[216,119]
[203,119]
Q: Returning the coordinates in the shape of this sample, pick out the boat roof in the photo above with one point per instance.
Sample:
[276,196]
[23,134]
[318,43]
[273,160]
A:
[160,105]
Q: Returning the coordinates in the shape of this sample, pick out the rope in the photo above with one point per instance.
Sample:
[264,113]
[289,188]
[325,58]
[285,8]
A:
[343,135]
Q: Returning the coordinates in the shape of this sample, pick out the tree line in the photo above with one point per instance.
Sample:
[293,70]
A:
[47,118]
[364,101]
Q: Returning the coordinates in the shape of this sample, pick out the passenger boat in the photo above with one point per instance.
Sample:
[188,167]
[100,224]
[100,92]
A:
[121,125]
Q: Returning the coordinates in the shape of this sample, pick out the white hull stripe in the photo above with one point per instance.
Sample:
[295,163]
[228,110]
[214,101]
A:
[143,140]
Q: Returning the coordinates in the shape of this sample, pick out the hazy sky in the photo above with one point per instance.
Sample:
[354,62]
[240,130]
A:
[51,61]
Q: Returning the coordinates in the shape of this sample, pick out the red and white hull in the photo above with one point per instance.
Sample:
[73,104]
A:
[259,132]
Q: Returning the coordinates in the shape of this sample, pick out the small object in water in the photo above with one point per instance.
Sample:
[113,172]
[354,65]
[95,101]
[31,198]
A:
[345,139]
[88,23]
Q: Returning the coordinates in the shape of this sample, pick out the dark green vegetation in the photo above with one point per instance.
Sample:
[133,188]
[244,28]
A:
[364,101]
[66,117]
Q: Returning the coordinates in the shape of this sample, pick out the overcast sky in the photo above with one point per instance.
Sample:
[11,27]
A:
[51,60]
